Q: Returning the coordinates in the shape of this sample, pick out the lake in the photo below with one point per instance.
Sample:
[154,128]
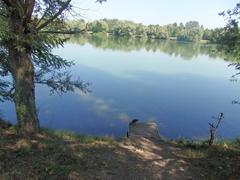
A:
[181,86]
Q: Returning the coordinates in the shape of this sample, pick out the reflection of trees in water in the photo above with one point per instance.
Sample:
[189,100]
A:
[186,51]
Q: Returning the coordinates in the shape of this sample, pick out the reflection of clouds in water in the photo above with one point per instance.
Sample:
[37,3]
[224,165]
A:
[108,110]
[123,117]
[154,119]
[48,112]
[100,105]
[105,107]
[81,93]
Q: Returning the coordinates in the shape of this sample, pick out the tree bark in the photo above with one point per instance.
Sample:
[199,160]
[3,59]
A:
[21,67]
[212,136]
[22,71]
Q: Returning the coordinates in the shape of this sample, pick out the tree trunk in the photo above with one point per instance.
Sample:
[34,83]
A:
[212,136]
[20,64]
[24,97]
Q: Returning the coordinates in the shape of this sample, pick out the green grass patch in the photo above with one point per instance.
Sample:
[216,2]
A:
[71,136]
[193,153]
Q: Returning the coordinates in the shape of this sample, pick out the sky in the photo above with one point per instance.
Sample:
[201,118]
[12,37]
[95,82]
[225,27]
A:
[160,12]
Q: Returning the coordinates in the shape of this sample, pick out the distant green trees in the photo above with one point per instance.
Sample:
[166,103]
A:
[191,31]
[77,25]
[98,26]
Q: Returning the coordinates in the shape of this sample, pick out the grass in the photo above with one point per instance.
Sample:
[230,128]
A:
[200,148]
[48,155]
[221,161]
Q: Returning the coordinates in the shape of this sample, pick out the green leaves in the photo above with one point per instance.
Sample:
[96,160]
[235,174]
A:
[6,91]
[192,32]
[31,33]
[61,82]
[230,37]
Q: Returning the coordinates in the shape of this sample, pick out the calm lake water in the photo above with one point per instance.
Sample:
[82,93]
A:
[181,86]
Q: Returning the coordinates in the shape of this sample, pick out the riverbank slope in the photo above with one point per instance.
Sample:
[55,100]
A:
[62,155]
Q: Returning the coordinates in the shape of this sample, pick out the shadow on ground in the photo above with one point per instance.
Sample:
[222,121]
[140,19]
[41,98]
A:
[51,155]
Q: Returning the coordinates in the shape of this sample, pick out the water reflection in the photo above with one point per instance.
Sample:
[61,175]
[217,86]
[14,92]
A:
[148,80]
[186,51]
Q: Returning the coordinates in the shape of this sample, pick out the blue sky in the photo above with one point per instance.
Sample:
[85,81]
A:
[157,11]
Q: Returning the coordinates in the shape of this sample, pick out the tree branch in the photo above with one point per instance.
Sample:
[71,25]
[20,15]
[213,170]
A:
[54,16]
[5,92]
[17,5]
[64,84]
[64,32]
[7,2]
[3,15]
[29,6]
[43,16]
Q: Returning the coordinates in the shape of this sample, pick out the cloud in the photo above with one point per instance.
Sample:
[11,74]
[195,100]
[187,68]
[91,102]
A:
[99,104]
[123,117]
[152,119]
[107,108]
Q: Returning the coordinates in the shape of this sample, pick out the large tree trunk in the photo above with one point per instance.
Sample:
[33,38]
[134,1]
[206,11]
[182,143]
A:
[24,97]
[22,69]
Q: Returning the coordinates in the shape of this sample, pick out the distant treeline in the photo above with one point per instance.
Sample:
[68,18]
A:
[174,48]
[192,31]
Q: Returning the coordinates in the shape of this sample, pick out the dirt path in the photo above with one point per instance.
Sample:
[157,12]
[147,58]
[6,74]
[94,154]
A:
[143,156]
[148,157]
[143,159]
[153,160]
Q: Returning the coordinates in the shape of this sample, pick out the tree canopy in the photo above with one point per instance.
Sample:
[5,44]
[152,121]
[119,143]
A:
[29,31]
[230,39]
[191,31]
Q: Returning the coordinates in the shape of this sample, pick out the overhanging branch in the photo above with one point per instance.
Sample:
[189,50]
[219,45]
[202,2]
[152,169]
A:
[28,7]
[54,16]
[65,32]
[64,84]
[6,91]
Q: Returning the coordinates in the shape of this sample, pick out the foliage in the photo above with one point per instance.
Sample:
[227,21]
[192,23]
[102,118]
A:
[41,37]
[231,37]
[98,26]
[29,31]
[192,31]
